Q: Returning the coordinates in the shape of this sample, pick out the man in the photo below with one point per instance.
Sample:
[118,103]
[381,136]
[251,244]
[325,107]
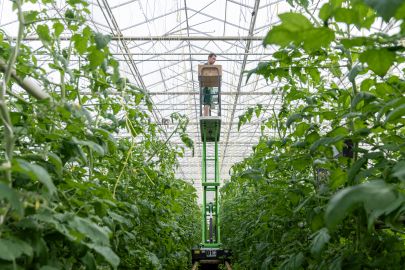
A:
[212,57]
[207,91]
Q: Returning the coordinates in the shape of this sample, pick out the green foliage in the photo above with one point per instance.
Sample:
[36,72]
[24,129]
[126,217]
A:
[101,40]
[297,29]
[376,197]
[92,177]
[378,60]
[324,187]
[384,8]
[247,116]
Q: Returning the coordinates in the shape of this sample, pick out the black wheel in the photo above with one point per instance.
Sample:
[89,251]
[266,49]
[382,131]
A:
[209,267]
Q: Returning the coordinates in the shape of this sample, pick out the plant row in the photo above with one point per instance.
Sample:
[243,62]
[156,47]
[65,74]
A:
[324,187]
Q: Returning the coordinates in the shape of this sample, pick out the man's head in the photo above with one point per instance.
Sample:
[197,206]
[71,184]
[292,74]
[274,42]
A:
[212,57]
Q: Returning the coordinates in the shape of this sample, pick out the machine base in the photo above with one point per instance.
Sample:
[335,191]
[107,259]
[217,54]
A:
[210,256]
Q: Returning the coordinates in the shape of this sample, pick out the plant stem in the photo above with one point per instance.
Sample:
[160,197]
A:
[167,140]
[123,168]
[4,111]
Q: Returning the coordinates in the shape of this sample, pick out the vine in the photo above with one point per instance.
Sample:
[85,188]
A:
[324,187]
[88,179]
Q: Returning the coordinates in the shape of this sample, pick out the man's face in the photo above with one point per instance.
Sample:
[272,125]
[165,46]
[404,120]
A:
[211,60]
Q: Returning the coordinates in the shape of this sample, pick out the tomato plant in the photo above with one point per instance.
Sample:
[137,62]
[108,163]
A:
[87,179]
[324,187]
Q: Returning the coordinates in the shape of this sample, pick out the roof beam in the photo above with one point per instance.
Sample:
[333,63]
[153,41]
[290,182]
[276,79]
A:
[191,63]
[222,93]
[194,53]
[123,4]
[120,37]
[220,20]
[149,20]
[247,49]
[115,30]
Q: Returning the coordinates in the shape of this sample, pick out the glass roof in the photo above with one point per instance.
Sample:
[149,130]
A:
[163,43]
[159,45]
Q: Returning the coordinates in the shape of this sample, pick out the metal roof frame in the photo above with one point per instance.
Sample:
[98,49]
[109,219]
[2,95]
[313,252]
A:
[159,48]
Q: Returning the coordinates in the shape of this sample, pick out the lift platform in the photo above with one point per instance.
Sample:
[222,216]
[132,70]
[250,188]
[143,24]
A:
[210,254]
[210,128]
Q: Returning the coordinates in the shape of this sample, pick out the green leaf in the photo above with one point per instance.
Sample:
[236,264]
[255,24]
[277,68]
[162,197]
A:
[267,263]
[320,239]
[376,197]
[358,14]
[356,42]
[80,43]
[385,8]
[315,75]
[107,254]
[399,170]
[251,174]
[378,60]
[367,84]
[301,128]
[258,109]
[107,136]
[362,96]
[292,23]
[278,35]
[316,38]
[329,8]
[354,72]
[395,114]
[300,163]
[95,58]
[48,267]
[249,114]
[297,29]
[77,2]
[338,131]
[43,33]
[345,15]
[293,118]
[92,145]
[30,16]
[317,222]
[294,262]
[303,3]
[97,234]
[336,264]
[325,141]
[69,15]
[9,194]
[11,249]
[355,168]
[56,162]
[337,178]
[400,14]
[393,103]
[295,21]
[58,28]
[35,172]
[312,137]
[101,40]
[364,132]
[89,261]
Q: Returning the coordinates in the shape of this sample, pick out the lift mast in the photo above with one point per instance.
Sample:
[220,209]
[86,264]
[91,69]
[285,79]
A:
[210,251]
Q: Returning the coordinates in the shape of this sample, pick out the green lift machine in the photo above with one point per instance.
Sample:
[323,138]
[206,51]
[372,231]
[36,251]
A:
[210,253]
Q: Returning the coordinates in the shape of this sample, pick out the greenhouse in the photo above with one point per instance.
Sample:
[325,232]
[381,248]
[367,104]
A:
[220,134]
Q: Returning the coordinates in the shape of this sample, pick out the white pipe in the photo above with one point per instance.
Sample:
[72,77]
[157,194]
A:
[28,84]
